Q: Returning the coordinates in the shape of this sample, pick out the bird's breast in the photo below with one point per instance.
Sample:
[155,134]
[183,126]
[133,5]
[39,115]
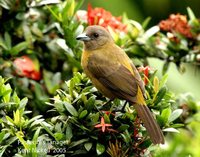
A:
[84,62]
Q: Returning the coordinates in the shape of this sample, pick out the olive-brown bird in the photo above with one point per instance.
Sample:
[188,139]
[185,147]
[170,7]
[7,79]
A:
[115,76]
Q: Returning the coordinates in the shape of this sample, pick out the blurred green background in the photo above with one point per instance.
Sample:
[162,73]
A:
[159,10]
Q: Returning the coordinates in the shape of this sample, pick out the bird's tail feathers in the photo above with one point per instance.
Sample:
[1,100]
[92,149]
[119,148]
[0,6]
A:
[150,124]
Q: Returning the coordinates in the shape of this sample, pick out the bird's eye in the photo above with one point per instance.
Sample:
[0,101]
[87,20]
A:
[96,35]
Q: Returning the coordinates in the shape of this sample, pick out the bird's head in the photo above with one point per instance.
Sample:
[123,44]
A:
[94,37]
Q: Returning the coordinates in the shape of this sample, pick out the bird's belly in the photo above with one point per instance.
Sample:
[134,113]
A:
[106,92]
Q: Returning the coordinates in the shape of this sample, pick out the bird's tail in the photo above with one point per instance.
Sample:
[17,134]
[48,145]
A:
[150,124]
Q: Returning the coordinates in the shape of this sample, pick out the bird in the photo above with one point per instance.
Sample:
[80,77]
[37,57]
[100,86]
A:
[113,73]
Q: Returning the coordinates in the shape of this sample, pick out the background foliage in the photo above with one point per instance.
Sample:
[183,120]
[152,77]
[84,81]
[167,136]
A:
[42,115]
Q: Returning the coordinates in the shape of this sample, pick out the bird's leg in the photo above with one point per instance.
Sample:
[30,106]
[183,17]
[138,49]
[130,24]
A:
[122,109]
[103,105]
[124,106]
[108,102]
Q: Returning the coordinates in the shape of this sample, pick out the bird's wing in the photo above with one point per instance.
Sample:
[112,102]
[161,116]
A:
[114,76]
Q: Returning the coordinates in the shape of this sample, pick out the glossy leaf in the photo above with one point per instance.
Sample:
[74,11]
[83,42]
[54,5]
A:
[123,127]
[171,130]
[165,67]
[100,149]
[19,48]
[83,114]
[160,95]
[69,133]
[175,114]
[79,142]
[70,109]
[88,146]
[165,115]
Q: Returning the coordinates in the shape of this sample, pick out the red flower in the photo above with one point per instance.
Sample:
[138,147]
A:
[177,23]
[26,67]
[99,16]
[145,70]
[102,125]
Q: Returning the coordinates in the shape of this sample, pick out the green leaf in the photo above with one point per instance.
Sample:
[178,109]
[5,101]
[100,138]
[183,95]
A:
[2,136]
[78,5]
[160,95]
[123,127]
[6,4]
[83,114]
[37,31]
[3,45]
[70,6]
[165,67]
[34,119]
[70,108]
[171,130]
[146,144]
[100,149]
[150,32]
[68,12]
[36,135]
[7,40]
[6,92]
[79,142]
[23,142]
[16,99]
[9,143]
[88,146]
[175,114]
[58,136]
[156,84]
[10,120]
[23,103]
[84,98]
[27,34]
[191,14]
[126,136]
[71,87]
[57,17]
[52,81]
[17,117]
[40,94]
[177,125]
[146,22]
[106,118]
[94,117]
[18,48]
[68,133]
[43,2]
[69,38]
[2,150]
[47,129]
[6,95]
[163,81]
[90,103]
[165,115]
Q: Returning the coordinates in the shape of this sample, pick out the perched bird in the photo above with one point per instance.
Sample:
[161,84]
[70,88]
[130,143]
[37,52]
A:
[115,76]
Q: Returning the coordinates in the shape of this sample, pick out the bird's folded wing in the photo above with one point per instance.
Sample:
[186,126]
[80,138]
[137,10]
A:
[115,77]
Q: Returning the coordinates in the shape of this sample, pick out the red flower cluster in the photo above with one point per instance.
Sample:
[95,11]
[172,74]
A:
[145,71]
[24,66]
[177,23]
[99,16]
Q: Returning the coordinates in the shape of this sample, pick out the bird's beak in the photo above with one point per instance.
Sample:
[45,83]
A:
[83,37]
